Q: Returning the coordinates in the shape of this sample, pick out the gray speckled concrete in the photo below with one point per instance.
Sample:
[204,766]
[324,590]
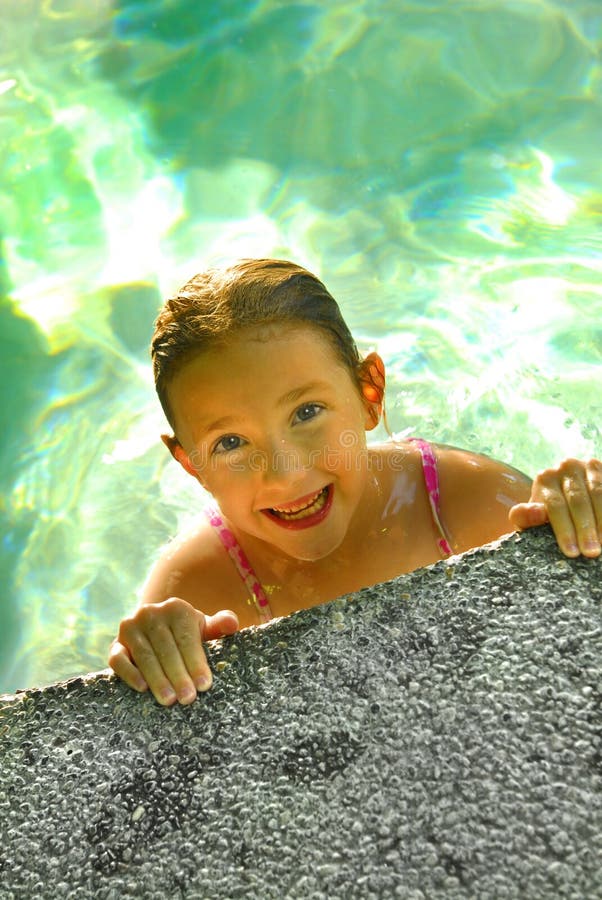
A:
[437,736]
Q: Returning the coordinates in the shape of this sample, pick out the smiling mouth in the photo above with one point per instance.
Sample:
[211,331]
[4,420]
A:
[306,511]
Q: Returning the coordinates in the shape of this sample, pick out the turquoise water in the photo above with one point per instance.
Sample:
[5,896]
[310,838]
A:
[437,163]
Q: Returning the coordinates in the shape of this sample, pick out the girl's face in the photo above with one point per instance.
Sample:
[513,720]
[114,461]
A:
[273,426]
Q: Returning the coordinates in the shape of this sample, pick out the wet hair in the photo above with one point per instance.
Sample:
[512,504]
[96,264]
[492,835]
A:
[219,303]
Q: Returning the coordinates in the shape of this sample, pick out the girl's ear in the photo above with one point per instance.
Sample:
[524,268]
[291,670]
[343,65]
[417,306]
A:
[179,454]
[372,386]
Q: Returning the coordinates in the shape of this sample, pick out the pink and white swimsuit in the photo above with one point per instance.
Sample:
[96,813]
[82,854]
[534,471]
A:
[257,595]
[431,480]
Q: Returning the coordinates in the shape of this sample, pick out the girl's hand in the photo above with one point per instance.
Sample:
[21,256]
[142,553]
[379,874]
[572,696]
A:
[570,499]
[160,647]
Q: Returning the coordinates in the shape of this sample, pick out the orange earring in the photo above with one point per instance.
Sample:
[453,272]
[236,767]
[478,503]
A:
[372,394]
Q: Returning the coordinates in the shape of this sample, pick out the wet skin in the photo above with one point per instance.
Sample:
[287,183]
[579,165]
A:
[266,422]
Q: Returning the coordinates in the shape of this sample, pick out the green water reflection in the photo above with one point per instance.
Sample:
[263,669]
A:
[437,163]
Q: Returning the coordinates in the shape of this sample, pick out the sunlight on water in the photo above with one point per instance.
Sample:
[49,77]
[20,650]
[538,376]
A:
[437,164]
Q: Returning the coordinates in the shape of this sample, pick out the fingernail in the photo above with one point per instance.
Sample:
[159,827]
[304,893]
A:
[203,682]
[187,695]
[572,550]
[168,696]
[592,547]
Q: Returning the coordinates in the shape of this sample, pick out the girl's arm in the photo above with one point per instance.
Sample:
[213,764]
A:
[477,494]
[160,645]
[482,499]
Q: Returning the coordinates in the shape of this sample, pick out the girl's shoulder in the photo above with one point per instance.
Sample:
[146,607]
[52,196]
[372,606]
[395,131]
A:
[470,466]
[472,492]
[449,460]
[195,567]
[477,493]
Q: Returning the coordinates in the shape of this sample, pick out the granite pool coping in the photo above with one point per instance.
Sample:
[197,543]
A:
[434,736]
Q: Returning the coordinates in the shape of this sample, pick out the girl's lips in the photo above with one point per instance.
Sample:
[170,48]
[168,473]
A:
[305,521]
[299,504]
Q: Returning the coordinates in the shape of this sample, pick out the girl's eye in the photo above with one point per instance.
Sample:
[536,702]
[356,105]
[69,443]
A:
[308,411]
[228,443]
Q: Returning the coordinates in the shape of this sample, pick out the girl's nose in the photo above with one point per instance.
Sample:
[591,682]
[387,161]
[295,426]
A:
[284,462]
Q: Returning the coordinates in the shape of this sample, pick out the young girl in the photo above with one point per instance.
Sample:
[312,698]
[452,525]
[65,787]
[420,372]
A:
[270,402]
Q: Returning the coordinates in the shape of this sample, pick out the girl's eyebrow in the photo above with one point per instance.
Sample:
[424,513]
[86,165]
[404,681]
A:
[293,395]
[289,397]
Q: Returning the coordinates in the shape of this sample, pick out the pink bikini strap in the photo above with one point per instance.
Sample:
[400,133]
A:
[243,566]
[431,480]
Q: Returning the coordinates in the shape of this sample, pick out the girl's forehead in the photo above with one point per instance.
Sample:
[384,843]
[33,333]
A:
[277,331]
[282,344]
[258,361]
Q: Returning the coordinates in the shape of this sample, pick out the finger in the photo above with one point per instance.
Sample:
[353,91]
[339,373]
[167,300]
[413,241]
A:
[594,481]
[562,523]
[122,665]
[527,515]
[223,622]
[187,633]
[146,660]
[167,652]
[576,492]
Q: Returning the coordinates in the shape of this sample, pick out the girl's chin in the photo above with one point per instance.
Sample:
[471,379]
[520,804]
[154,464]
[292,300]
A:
[312,551]
[312,557]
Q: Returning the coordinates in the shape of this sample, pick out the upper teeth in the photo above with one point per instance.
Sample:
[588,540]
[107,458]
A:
[298,506]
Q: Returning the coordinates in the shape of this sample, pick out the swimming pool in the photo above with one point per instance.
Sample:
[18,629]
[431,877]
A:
[436,163]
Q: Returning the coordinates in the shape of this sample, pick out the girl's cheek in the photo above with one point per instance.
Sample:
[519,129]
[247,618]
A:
[223,464]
